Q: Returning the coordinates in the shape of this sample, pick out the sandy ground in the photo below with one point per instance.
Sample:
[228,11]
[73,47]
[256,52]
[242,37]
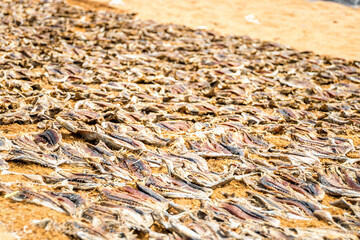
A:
[323,27]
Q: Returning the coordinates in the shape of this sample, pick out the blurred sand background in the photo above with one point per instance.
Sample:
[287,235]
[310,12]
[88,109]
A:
[326,28]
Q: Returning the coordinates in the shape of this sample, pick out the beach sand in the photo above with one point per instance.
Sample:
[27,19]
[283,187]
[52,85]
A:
[326,28]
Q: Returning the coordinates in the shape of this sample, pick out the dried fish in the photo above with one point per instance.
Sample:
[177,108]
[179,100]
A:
[161,131]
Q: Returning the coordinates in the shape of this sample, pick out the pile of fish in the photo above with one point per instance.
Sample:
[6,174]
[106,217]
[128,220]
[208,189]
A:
[134,115]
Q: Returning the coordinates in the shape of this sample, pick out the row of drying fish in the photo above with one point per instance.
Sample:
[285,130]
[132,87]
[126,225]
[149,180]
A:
[286,193]
[155,109]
